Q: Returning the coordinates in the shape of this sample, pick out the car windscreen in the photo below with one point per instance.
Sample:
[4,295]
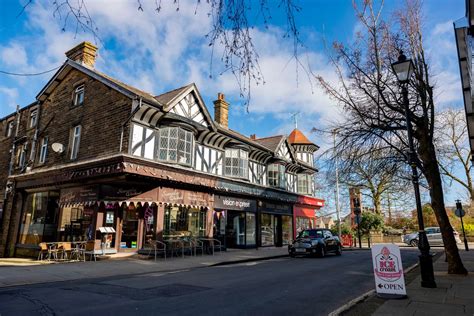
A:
[311,234]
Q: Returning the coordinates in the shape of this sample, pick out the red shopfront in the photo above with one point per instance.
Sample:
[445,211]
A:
[304,213]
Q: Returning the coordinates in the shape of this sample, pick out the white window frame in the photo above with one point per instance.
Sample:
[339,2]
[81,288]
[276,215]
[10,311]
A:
[10,126]
[79,95]
[304,183]
[43,150]
[279,181]
[236,163]
[175,145]
[22,156]
[33,118]
[75,141]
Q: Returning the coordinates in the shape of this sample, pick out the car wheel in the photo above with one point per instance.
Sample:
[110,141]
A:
[321,252]
[414,243]
[292,255]
[339,250]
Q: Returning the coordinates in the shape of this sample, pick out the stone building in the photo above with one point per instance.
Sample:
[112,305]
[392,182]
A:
[96,159]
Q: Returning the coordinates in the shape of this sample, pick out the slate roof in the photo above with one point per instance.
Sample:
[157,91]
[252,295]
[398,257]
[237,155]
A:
[271,142]
[166,97]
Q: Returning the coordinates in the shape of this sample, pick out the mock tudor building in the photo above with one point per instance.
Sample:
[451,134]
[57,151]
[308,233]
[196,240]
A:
[96,159]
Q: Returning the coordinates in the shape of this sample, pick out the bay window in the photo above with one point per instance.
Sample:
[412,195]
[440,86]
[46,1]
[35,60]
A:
[276,176]
[236,163]
[175,145]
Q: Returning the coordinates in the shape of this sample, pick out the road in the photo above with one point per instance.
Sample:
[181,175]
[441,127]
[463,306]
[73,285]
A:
[302,286]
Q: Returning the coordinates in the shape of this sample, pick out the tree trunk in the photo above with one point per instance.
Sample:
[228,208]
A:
[433,176]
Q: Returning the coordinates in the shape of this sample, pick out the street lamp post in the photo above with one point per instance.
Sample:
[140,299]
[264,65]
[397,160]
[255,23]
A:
[338,210]
[403,69]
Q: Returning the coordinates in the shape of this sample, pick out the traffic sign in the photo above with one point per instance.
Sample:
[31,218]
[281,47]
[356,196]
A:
[459,212]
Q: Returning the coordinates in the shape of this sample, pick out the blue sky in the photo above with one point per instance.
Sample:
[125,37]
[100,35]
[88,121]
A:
[160,52]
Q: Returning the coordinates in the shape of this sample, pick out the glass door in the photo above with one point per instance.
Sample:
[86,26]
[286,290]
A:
[129,228]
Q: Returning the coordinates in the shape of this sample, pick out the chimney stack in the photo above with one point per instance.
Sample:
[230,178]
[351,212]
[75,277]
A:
[221,111]
[84,53]
[253,136]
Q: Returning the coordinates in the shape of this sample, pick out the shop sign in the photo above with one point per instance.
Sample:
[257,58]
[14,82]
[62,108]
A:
[388,271]
[177,196]
[79,195]
[247,189]
[119,193]
[231,203]
[310,201]
[276,208]
[95,171]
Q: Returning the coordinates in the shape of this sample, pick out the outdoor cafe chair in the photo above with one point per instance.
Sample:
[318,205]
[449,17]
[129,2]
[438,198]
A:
[65,250]
[197,245]
[44,251]
[156,247]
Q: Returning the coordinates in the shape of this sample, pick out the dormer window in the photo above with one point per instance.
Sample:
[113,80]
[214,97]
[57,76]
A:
[236,163]
[175,145]
[276,176]
[79,95]
[33,118]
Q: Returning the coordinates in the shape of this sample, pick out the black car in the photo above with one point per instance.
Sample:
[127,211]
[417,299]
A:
[317,242]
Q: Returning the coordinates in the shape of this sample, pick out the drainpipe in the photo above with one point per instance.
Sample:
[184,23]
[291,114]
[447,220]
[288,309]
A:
[127,121]
[13,149]
[34,144]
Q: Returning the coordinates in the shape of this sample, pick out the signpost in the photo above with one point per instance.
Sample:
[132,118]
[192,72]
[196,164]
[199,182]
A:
[460,213]
[388,271]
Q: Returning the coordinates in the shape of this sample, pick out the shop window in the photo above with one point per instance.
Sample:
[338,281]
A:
[304,183]
[76,140]
[175,145]
[39,218]
[236,163]
[181,219]
[267,229]
[276,176]
[250,229]
[75,223]
[43,149]
[79,95]
[33,118]
[143,141]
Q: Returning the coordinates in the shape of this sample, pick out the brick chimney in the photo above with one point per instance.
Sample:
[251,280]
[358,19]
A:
[253,136]
[221,111]
[84,53]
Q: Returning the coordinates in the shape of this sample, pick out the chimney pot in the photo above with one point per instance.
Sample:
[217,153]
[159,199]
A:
[253,136]
[84,53]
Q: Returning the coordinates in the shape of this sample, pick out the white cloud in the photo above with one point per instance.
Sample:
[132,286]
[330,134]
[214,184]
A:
[8,97]
[13,55]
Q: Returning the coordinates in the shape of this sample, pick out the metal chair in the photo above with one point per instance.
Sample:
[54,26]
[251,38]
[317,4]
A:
[43,251]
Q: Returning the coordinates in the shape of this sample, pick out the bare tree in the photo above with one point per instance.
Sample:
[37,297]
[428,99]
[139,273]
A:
[375,116]
[452,148]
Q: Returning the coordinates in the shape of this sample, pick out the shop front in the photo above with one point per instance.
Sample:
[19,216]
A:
[305,213]
[235,222]
[184,213]
[276,224]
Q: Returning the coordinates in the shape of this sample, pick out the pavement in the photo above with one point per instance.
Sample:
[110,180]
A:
[21,271]
[454,294]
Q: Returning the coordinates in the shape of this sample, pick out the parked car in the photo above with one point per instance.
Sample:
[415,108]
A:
[317,242]
[434,237]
